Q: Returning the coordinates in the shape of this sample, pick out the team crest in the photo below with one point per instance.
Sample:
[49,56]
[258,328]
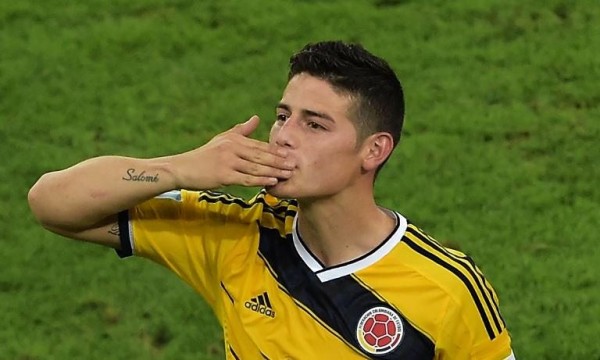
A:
[379,330]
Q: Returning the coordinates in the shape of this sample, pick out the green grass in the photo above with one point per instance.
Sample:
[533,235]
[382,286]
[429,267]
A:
[500,151]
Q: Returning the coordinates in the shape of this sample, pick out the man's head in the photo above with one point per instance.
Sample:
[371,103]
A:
[340,117]
[376,92]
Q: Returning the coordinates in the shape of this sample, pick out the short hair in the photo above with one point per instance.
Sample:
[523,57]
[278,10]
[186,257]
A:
[378,99]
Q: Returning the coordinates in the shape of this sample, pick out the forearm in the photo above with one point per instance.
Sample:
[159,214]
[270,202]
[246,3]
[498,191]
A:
[83,195]
[87,196]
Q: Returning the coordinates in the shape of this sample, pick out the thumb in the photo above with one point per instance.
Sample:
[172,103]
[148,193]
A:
[247,127]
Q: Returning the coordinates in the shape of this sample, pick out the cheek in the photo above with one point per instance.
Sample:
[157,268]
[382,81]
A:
[334,163]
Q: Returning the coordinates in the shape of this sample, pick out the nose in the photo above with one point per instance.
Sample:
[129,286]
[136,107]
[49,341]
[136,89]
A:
[283,133]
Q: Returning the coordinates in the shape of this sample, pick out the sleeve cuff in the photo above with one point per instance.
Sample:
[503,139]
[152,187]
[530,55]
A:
[126,249]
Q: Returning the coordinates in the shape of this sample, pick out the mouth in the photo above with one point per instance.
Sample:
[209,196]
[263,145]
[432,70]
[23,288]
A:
[281,181]
[293,171]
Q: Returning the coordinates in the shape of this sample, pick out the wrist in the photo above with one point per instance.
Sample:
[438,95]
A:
[166,168]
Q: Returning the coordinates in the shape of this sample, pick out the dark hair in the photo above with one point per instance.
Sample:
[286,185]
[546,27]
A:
[349,68]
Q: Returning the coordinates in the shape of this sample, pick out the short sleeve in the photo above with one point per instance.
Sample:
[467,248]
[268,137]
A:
[194,234]
[464,337]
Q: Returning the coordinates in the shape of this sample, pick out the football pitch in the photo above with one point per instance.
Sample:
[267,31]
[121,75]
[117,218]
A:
[500,153]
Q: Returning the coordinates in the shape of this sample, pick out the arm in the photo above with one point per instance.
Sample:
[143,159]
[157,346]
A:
[82,202]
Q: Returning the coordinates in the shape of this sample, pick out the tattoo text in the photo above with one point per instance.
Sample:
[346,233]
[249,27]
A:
[141,177]
[114,229]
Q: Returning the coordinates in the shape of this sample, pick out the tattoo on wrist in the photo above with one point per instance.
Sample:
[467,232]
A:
[114,229]
[141,177]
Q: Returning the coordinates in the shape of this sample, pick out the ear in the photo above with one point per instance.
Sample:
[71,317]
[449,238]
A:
[376,149]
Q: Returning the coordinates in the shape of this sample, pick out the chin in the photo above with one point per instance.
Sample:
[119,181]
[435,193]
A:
[284,190]
[280,192]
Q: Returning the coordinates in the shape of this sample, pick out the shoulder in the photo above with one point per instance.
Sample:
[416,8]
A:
[470,296]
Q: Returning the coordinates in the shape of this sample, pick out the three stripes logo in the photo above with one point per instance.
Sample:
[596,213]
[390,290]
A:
[261,304]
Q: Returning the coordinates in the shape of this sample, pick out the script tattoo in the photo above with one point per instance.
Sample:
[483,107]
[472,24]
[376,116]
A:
[141,177]
[114,229]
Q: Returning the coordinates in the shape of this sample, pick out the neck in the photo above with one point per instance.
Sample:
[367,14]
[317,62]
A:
[343,227]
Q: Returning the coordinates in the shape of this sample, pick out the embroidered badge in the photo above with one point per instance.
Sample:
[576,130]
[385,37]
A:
[379,330]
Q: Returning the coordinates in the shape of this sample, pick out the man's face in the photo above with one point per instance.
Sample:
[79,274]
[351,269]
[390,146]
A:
[312,123]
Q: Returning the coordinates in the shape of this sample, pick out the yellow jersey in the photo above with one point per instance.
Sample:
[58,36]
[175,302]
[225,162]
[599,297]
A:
[409,298]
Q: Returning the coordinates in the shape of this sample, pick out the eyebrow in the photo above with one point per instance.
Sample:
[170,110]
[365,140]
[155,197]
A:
[306,112]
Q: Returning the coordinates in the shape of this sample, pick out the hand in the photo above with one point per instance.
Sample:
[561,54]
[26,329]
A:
[232,158]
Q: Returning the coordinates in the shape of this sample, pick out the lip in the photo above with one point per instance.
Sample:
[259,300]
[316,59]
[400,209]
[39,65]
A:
[282,180]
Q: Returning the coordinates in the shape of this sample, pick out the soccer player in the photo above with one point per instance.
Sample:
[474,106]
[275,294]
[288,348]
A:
[311,267]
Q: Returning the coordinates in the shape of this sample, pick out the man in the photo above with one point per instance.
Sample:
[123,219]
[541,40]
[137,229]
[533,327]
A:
[311,267]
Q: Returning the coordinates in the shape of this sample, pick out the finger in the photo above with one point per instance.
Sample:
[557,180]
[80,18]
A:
[251,145]
[260,156]
[248,127]
[259,151]
[250,180]
[255,169]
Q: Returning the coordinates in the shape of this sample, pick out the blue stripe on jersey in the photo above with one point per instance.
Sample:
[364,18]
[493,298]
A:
[339,303]
[172,195]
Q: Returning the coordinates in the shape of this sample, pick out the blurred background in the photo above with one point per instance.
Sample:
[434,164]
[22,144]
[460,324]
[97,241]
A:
[499,155]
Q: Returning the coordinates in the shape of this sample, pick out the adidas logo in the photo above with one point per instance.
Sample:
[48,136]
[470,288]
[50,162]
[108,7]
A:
[261,304]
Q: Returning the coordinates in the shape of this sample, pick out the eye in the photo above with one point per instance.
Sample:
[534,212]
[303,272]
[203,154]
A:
[281,117]
[314,125]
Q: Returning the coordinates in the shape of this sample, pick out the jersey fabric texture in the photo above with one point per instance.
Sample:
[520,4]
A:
[409,298]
